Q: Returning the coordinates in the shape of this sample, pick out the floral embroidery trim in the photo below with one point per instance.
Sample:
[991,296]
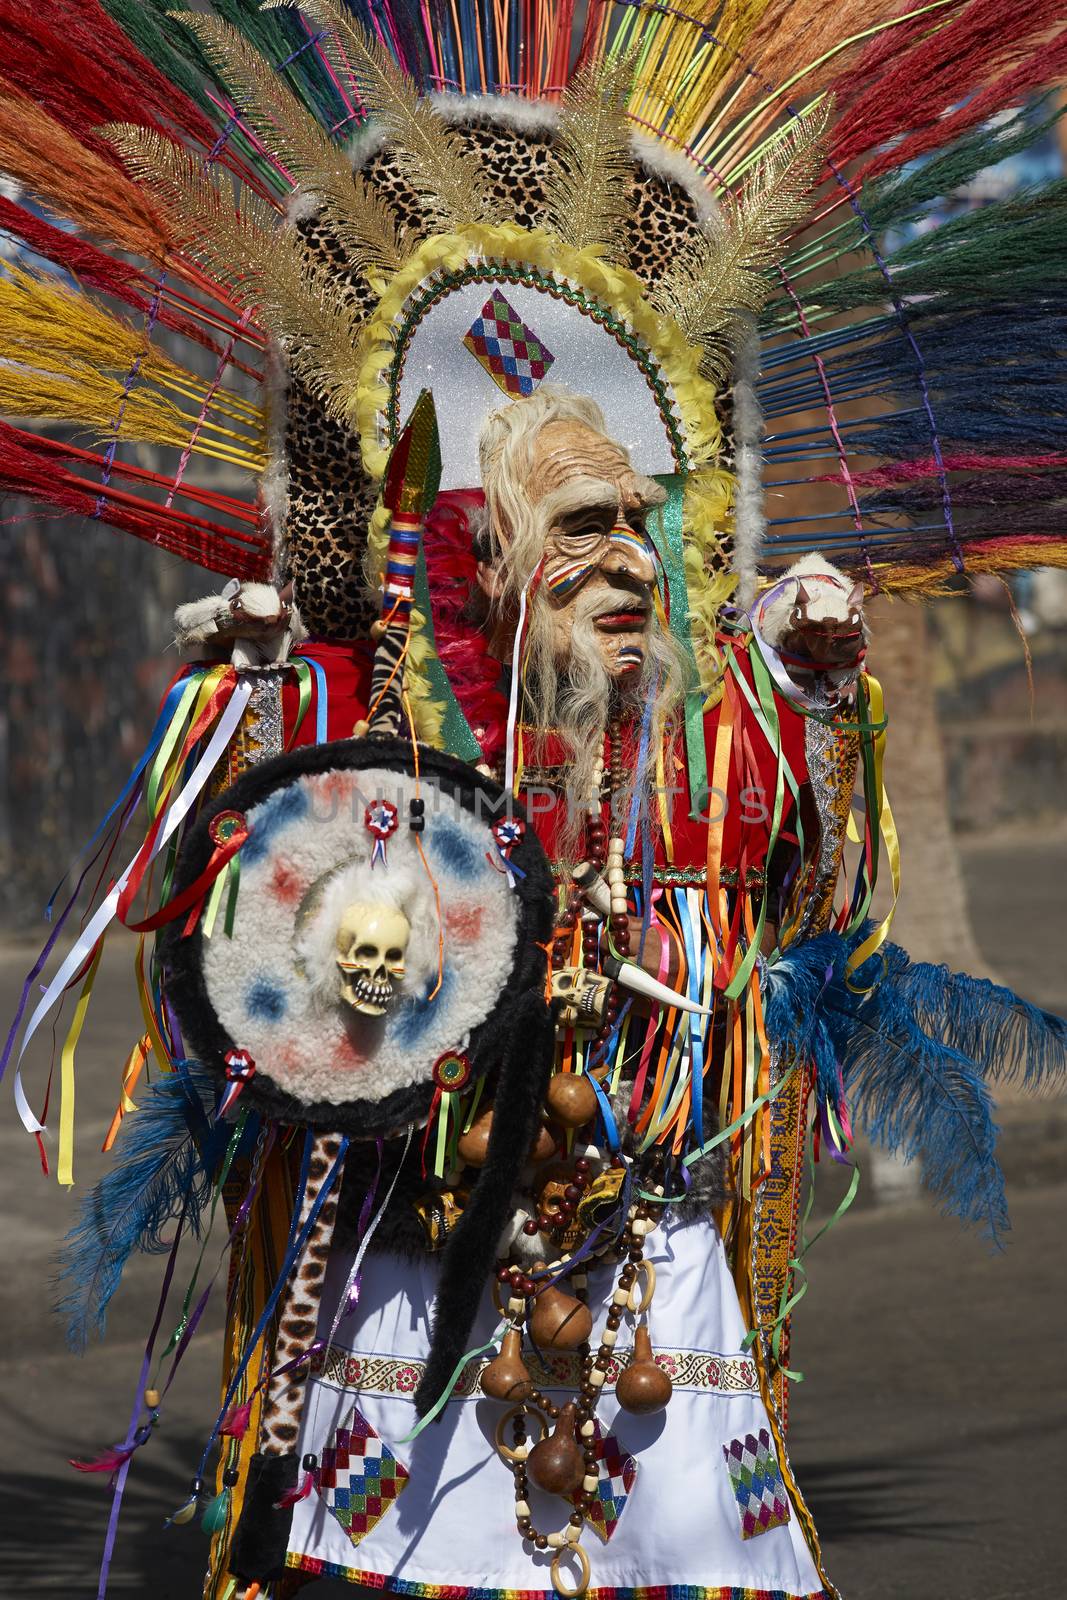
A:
[703,1371]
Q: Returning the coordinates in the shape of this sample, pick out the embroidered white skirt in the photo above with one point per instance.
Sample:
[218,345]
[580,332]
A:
[706,1511]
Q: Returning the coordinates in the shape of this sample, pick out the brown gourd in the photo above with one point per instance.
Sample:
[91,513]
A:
[643,1386]
[571,1100]
[473,1146]
[555,1463]
[506,1376]
[543,1147]
[557,1320]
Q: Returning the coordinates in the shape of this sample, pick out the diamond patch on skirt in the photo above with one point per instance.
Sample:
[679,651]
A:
[359,1477]
[757,1483]
[510,352]
[617,1472]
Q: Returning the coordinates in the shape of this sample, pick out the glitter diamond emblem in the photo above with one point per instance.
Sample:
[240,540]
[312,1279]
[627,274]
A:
[510,352]
[617,1472]
[359,1477]
[757,1481]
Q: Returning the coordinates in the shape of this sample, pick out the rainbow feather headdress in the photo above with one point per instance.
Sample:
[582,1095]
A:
[247,237]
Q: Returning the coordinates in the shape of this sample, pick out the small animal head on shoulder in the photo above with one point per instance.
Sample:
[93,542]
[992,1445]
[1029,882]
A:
[815,613]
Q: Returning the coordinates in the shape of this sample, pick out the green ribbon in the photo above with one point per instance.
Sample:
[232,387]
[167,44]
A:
[665,531]
[303,679]
[456,735]
[789,1301]
[746,1116]
[765,711]
[446,1393]
[220,1182]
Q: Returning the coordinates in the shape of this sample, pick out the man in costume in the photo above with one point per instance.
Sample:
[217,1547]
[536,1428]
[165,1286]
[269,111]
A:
[507,966]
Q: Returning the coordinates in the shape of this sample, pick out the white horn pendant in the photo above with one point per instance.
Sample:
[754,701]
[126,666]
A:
[593,887]
[641,982]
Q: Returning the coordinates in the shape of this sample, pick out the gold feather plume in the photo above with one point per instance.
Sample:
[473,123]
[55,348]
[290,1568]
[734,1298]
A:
[358,216]
[447,177]
[589,182]
[725,271]
[264,266]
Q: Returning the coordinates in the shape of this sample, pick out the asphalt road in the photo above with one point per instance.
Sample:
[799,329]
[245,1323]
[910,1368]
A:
[928,1435]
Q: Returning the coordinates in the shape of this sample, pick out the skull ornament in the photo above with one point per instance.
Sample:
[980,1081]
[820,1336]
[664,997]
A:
[371,943]
[584,995]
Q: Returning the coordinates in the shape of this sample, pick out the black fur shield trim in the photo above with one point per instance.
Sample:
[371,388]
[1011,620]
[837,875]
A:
[470,1254]
[490,1041]
[261,1538]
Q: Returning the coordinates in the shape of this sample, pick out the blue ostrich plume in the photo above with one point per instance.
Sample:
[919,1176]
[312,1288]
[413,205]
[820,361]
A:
[167,1153]
[914,1048]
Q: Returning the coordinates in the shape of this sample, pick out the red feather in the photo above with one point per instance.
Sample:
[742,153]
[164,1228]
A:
[993,51]
[30,466]
[461,646]
[107,1461]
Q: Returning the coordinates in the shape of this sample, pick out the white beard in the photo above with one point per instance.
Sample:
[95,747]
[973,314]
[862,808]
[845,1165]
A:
[577,702]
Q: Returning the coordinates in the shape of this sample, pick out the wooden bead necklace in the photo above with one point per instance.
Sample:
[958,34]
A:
[561,1462]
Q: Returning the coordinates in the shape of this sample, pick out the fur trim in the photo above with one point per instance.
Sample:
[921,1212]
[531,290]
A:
[674,166]
[274,484]
[509,110]
[246,992]
[364,144]
[750,521]
[261,1539]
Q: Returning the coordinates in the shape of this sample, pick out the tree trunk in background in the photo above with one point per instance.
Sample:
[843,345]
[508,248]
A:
[933,920]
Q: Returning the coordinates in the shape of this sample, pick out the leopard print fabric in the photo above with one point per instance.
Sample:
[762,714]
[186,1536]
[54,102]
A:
[330,495]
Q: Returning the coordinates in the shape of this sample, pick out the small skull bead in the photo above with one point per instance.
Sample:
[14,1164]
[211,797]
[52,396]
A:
[371,944]
[584,995]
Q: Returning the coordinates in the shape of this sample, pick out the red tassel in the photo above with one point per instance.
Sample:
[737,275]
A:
[77,63]
[989,55]
[29,466]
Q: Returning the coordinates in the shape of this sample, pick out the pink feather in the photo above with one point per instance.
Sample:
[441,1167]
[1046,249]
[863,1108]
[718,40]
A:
[235,1422]
[291,1496]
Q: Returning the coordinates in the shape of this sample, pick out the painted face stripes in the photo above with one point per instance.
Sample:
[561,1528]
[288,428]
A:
[565,579]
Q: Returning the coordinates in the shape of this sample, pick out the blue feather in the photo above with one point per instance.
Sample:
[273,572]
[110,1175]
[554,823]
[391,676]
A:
[915,1048]
[919,1098]
[1006,1036]
[166,1155]
[793,1015]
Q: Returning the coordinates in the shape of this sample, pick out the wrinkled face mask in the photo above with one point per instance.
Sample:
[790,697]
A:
[599,565]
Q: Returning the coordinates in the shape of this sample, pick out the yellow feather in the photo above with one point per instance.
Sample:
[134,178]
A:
[589,181]
[724,272]
[446,175]
[60,349]
[264,265]
[358,216]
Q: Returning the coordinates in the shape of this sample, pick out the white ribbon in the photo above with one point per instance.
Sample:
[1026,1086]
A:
[513,698]
[364,1245]
[224,730]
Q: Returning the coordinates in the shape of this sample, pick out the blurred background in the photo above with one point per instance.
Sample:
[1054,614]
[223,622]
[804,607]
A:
[925,1430]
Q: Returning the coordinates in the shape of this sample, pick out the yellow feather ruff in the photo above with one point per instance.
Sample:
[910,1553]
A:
[616,289]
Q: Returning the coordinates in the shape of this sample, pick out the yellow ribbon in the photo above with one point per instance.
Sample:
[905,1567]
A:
[887,828]
[65,1166]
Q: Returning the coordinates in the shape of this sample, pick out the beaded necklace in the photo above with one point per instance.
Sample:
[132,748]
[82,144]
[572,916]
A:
[566,1461]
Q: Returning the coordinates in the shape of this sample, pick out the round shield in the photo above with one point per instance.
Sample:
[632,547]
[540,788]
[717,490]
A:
[387,918]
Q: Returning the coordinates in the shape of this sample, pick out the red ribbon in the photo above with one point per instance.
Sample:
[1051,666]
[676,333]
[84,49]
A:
[190,899]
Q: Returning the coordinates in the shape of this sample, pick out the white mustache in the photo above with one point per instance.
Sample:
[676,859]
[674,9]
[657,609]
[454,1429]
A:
[601,603]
